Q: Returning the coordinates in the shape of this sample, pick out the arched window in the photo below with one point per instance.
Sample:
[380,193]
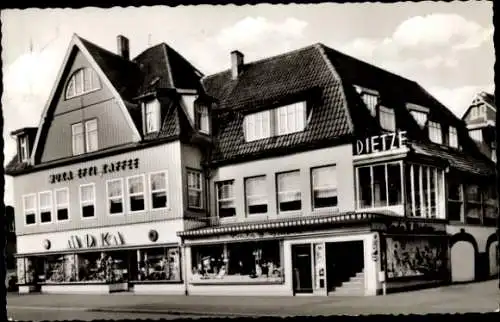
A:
[82,81]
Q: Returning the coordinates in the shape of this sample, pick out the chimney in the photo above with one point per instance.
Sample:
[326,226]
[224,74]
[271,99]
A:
[123,47]
[236,63]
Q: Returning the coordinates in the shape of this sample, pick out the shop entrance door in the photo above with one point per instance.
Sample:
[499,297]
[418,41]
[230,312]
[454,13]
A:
[344,260]
[302,268]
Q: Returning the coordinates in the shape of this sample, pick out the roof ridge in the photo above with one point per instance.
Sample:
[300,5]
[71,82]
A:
[265,59]
[183,58]
[169,67]
[109,52]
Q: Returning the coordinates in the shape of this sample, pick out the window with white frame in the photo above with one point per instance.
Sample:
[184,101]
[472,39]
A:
[45,206]
[453,137]
[387,119]
[379,185]
[476,135]
[490,204]
[195,189]
[256,195]
[23,148]
[136,193]
[324,187]
[84,137]
[87,200]
[91,135]
[30,209]
[78,138]
[82,81]
[371,101]
[62,204]
[225,199]
[473,112]
[258,126]
[114,190]
[455,201]
[473,206]
[158,188]
[481,111]
[289,193]
[202,121]
[152,116]
[419,117]
[291,118]
[435,133]
[424,191]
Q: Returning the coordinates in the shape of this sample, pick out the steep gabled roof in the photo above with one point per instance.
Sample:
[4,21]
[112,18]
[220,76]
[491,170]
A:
[485,99]
[302,74]
[163,67]
[327,77]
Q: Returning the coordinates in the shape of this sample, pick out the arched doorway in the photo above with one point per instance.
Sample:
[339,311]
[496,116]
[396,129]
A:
[462,261]
[493,258]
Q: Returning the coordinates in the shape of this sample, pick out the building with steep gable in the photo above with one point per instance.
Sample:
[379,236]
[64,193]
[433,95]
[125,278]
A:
[309,172]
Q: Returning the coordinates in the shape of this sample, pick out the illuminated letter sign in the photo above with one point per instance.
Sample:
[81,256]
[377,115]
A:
[90,241]
[381,143]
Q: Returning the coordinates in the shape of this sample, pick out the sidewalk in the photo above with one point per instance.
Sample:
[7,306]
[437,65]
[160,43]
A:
[477,297]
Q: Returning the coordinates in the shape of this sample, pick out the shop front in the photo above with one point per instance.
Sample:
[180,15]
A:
[321,255]
[140,257]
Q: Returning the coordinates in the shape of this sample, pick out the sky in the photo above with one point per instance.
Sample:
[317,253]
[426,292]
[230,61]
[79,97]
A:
[446,47]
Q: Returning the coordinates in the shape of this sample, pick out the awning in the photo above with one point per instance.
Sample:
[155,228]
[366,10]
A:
[287,223]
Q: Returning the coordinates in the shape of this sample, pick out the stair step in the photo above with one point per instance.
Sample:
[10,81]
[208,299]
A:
[347,292]
[354,280]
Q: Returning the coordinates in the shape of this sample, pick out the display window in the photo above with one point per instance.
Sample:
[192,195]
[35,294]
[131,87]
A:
[238,262]
[60,268]
[160,264]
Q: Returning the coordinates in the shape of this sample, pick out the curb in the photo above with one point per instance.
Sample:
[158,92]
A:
[177,312]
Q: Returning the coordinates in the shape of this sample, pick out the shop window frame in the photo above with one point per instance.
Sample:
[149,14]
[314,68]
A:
[398,208]
[439,188]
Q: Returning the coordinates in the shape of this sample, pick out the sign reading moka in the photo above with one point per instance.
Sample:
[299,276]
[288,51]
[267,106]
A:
[91,241]
[381,143]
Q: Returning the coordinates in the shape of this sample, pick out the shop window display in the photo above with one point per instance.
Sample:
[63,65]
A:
[102,267]
[160,264]
[379,185]
[238,262]
[60,268]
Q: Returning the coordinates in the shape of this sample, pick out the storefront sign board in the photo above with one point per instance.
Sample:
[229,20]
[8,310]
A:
[381,143]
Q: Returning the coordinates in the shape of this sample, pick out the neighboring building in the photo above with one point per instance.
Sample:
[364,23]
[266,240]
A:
[98,186]
[10,247]
[480,119]
[308,172]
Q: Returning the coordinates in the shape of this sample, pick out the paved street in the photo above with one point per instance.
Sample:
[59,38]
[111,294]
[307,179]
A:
[478,297]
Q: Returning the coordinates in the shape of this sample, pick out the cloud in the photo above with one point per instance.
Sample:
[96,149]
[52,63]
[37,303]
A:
[459,99]
[414,43]
[255,37]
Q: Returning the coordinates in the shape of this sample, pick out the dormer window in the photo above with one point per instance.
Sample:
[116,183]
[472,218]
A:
[419,114]
[23,148]
[453,137]
[291,118]
[369,97]
[202,121]
[283,120]
[82,81]
[152,116]
[85,137]
[435,133]
[387,119]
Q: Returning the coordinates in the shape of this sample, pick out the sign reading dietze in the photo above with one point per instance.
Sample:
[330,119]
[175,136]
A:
[381,143]
[91,241]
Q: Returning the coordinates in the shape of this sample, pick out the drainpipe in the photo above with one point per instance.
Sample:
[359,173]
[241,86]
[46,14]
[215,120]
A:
[184,265]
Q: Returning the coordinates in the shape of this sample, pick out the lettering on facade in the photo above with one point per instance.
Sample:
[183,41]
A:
[413,227]
[90,241]
[91,171]
[381,143]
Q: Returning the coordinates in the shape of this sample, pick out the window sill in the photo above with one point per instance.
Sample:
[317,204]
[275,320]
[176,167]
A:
[291,213]
[325,210]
